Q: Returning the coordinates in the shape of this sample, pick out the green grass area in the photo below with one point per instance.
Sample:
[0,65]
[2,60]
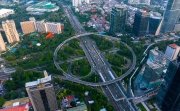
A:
[100,101]
[141,107]
[116,60]
[70,51]
[102,43]
[118,71]
[81,67]
[64,66]
[93,78]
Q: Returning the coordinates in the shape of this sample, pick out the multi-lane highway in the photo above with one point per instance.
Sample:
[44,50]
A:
[113,91]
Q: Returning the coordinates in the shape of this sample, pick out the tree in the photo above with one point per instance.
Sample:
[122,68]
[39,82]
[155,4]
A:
[2,101]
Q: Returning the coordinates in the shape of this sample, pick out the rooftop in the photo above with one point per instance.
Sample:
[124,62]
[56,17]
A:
[24,107]
[39,81]
[3,11]
[16,102]
[174,46]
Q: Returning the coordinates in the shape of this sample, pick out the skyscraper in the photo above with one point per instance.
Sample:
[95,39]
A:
[2,44]
[10,31]
[118,19]
[146,23]
[171,19]
[42,94]
[141,22]
[168,97]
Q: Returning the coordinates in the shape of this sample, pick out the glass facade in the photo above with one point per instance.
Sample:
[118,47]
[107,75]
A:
[118,20]
[168,97]
[171,16]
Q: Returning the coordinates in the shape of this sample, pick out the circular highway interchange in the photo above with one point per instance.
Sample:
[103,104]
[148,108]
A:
[76,79]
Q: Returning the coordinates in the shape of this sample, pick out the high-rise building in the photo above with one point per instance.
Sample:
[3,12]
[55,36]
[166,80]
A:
[28,27]
[10,31]
[42,94]
[154,23]
[2,44]
[118,19]
[168,97]
[172,51]
[146,23]
[141,22]
[41,26]
[55,28]
[171,19]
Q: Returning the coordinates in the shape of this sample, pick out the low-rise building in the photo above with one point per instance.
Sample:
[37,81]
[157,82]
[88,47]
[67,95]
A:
[22,104]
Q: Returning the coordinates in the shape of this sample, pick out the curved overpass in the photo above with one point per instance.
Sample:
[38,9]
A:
[70,78]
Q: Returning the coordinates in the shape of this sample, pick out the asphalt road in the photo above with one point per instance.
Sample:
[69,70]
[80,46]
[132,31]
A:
[113,91]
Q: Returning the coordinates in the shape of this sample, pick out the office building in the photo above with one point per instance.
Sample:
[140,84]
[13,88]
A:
[5,12]
[171,19]
[168,98]
[42,94]
[2,44]
[118,19]
[28,27]
[55,28]
[154,23]
[10,31]
[172,51]
[141,22]
[146,23]
[41,26]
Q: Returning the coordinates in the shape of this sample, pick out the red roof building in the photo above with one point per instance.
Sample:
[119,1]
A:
[24,107]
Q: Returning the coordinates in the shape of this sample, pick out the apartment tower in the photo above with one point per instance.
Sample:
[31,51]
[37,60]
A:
[42,94]
[10,31]
[28,27]
[2,44]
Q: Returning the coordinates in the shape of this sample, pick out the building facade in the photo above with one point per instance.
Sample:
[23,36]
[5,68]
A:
[41,26]
[28,27]
[141,22]
[118,19]
[146,23]
[2,44]
[168,97]
[10,30]
[42,94]
[171,19]
[55,28]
